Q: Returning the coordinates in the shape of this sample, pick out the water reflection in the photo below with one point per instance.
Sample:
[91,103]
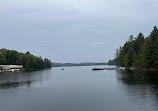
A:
[19,79]
[15,84]
[138,77]
[140,87]
[79,90]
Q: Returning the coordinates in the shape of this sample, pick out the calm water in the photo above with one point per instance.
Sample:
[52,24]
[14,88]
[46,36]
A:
[79,89]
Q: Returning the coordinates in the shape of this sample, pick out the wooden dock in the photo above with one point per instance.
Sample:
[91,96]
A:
[108,69]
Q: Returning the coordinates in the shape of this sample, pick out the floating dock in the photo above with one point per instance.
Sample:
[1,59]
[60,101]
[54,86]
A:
[109,69]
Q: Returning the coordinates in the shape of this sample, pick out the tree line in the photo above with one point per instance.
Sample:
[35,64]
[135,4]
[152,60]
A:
[140,51]
[29,61]
[76,64]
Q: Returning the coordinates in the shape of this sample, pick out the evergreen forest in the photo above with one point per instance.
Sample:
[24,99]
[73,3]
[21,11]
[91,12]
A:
[29,61]
[140,52]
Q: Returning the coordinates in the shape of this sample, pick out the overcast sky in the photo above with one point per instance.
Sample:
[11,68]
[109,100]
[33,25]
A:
[74,30]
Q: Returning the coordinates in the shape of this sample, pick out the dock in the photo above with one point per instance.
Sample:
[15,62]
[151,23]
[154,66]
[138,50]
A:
[109,69]
[98,69]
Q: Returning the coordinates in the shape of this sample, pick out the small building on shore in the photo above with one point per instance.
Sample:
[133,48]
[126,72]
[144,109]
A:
[11,68]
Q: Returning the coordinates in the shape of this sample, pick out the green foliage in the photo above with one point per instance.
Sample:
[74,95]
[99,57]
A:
[112,62]
[139,52]
[29,61]
[152,49]
[2,59]
[48,63]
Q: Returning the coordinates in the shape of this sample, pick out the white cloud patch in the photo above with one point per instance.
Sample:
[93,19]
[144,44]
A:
[97,43]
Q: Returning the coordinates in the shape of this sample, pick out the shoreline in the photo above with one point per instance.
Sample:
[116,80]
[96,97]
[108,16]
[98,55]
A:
[143,69]
[126,68]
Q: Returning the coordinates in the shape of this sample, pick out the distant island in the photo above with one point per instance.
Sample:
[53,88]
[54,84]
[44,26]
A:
[29,61]
[139,52]
[76,64]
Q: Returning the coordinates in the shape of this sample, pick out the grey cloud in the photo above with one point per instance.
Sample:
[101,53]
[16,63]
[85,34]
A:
[71,30]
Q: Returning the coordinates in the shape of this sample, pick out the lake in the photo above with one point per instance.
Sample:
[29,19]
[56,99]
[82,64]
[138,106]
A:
[79,89]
